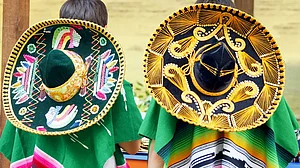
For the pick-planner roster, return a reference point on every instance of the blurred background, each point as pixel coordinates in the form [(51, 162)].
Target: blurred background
[(133, 21)]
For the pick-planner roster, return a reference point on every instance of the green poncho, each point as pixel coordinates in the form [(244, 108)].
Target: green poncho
[(96, 146)]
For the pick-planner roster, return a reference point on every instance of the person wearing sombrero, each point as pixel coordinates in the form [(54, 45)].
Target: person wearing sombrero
[(65, 96), (217, 79)]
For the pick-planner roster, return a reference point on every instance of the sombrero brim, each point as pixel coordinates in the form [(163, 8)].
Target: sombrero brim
[(21, 93), (252, 97)]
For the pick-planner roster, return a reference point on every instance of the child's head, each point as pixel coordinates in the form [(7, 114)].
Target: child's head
[(90, 10), (222, 2)]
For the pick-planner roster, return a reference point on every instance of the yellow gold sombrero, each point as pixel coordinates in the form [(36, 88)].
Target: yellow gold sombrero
[(215, 66)]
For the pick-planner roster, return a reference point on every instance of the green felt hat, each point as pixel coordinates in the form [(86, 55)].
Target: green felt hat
[(215, 66), (62, 76)]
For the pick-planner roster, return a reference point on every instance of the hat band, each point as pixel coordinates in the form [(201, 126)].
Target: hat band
[(69, 89)]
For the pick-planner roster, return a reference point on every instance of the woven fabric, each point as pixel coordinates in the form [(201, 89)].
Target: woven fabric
[(180, 144)]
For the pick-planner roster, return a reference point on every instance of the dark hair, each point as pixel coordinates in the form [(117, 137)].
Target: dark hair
[(222, 2), (90, 10)]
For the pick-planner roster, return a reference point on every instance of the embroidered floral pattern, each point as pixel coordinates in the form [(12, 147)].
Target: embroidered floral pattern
[(22, 88), (105, 79), (31, 48)]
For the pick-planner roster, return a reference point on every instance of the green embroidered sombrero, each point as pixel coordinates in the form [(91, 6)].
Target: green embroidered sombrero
[(215, 66), (62, 76)]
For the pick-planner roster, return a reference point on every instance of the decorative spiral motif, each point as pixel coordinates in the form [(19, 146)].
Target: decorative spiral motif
[(175, 52)]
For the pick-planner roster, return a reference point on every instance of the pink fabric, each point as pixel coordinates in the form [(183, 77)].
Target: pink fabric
[(41, 159), (23, 163)]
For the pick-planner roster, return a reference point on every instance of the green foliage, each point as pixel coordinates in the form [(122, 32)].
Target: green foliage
[(142, 96)]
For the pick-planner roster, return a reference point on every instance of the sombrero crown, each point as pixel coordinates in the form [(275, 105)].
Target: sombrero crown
[(63, 73), (215, 66), (62, 76)]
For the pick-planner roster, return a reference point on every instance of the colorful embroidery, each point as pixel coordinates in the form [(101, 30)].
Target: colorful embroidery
[(37, 81), (26, 103), (23, 87), (22, 111), (90, 76), (41, 128), (83, 91), (77, 123), (31, 48), (64, 34), (57, 118), (94, 109), (103, 41), (105, 80)]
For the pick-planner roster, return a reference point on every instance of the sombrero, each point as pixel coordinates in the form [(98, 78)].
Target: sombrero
[(62, 76), (215, 66)]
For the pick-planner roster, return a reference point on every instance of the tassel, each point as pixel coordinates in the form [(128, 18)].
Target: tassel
[(74, 138), (102, 124), (124, 97), (42, 95)]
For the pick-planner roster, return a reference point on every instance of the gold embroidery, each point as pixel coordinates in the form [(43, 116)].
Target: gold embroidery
[(215, 70), (199, 33), (94, 109), (155, 68), (184, 23), (259, 42), (266, 97), (238, 44), (168, 99), (209, 17), (240, 26), (182, 48), (243, 91), (192, 97), (221, 122), (185, 112), (246, 117), (271, 70), (176, 76), (162, 40), (249, 65), (242, 35)]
